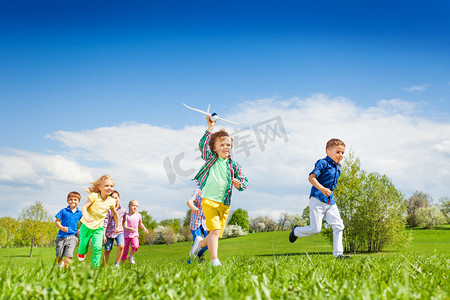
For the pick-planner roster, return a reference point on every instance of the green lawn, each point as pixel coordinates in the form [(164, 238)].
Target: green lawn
[(257, 266)]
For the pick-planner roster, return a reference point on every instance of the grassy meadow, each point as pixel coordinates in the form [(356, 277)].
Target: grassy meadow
[(257, 266)]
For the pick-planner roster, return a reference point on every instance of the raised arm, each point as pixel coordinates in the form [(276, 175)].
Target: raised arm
[(203, 144)]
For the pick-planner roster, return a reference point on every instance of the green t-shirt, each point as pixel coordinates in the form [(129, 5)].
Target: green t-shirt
[(218, 181)]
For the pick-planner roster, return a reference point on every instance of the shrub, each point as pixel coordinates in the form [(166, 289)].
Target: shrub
[(170, 236), (233, 231), (262, 224), (430, 216), (239, 217)]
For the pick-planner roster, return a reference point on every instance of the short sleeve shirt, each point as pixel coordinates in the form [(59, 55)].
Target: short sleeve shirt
[(98, 209), (70, 220), (218, 180), (327, 173), (133, 221)]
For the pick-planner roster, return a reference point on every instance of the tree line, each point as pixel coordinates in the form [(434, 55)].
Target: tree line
[(374, 211)]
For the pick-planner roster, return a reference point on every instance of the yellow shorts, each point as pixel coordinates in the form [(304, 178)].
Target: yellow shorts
[(216, 214)]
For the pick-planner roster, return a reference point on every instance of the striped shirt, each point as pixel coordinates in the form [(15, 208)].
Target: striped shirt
[(197, 218), (210, 158)]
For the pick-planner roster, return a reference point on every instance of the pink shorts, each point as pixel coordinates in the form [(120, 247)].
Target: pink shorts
[(134, 242)]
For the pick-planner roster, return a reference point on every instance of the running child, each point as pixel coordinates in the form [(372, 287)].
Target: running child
[(324, 179), (216, 178), (94, 213), (110, 236), (197, 223), (67, 221), (132, 222)]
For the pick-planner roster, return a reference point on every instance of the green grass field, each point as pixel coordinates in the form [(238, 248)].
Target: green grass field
[(257, 266)]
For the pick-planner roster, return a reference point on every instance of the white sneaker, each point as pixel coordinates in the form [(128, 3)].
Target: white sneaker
[(131, 259), (81, 257), (61, 265), (195, 248), (216, 263), (116, 265)]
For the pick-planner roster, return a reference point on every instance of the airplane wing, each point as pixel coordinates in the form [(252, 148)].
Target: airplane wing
[(228, 121), (200, 111)]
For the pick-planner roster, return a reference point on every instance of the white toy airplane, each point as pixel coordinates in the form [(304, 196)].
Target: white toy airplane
[(212, 116)]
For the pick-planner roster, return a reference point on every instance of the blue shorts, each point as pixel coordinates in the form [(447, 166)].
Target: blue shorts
[(119, 240), (199, 232)]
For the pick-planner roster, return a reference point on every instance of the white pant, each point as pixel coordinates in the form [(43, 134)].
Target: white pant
[(317, 211)]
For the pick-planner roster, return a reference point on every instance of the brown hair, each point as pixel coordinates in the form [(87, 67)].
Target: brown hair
[(74, 194), (94, 188), (222, 133), (334, 142), (115, 192)]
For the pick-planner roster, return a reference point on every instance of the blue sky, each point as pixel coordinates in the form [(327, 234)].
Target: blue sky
[(77, 66)]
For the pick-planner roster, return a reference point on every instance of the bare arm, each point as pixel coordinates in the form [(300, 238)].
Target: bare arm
[(125, 227), (84, 211), (59, 225), (191, 205), (143, 227), (211, 124), (312, 178), (190, 202)]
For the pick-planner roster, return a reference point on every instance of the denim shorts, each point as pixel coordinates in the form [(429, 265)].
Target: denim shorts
[(119, 241)]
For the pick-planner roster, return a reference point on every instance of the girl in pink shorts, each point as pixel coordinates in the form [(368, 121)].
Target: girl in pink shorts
[(132, 221)]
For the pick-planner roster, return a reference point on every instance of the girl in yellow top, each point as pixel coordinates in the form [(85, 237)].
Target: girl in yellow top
[(94, 213)]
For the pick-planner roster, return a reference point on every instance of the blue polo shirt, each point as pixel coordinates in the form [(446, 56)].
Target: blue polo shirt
[(70, 220), (327, 173)]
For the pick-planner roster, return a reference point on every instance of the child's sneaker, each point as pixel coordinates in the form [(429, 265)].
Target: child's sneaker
[(81, 257), (61, 266), (343, 256), (292, 236), (116, 265), (195, 248), (131, 259), (216, 263)]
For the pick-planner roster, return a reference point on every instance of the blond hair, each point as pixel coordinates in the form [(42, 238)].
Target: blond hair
[(95, 186), (131, 201)]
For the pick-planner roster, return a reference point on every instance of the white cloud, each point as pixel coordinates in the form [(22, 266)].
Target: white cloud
[(389, 139), (416, 88), (443, 147)]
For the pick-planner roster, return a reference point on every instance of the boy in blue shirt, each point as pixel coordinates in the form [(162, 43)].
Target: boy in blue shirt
[(324, 179), (67, 221)]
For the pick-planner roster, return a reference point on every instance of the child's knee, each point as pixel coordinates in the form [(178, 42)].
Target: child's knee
[(316, 230), (215, 233), (338, 227)]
